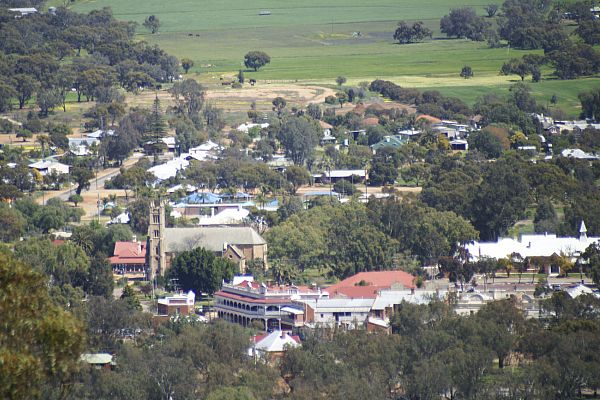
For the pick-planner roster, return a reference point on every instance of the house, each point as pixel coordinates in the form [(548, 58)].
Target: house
[(129, 260), (205, 151), (186, 188), (580, 289), (99, 134), (407, 134), (379, 280), (247, 126), (338, 312), (99, 360), (429, 118), (394, 142), (181, 303), (273, 307), (122, 218), (579, 154), (272, 347), (358, 175), (169, 169), (459, 144), (170, 142), (229, 216), (23, 11), (541, 245), (45, 167)]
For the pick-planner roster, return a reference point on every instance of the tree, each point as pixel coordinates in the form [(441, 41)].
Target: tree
[(589, 31), (487, 143), (502, 324), (129, 296), (256, 59), (100, 278), (13, 224), (340, 80), (297, 176), (279, 104), (407, 34), (491, 10), (189, 98), (75, 198), (384, 167), (81, 176), (314, 111), (466, 72), (517, 67), (42, 341), (152, 23), (299, 136), (342, 97), (25, 86), (464, 23), (590, 104), (186, 64), (7, 92), (200, 270)]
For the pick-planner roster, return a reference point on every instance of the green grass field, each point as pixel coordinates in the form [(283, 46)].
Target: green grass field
[(314, 42)]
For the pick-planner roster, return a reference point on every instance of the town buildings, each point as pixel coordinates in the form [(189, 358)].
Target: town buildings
[(129, 260), (273, 307)]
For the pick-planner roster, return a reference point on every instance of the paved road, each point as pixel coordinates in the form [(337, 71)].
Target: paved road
[(95, 183)]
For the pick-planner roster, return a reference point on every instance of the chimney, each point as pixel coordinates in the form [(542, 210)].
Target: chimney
[(225, 245), (134, 238)]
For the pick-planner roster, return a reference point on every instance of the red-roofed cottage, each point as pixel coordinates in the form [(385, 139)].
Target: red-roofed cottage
[(129, 260), (371, 282)]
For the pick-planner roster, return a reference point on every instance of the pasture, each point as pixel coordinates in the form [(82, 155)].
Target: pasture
[(312, 42)]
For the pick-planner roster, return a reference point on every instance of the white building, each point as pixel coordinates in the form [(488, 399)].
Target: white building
[(543, 245), (350, 313), (45, 167)]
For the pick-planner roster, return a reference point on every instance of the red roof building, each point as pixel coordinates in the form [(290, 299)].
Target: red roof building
[(129, 260), (367, 284)]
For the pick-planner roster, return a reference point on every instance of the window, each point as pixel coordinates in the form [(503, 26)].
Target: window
[(178, 310), (156, 219), (156, 233)]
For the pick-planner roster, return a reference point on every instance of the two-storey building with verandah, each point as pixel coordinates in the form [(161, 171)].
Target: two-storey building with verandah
[(272, 307)]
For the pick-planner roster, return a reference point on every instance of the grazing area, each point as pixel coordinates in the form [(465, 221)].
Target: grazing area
[(313, 42)]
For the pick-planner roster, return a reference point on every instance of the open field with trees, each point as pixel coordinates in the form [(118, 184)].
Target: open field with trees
[(317, 41)]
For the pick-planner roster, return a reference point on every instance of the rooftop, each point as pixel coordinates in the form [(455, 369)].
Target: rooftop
[(210, 238), (381, 279)]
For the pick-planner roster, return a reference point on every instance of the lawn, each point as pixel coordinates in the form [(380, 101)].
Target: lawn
[(316, 41)]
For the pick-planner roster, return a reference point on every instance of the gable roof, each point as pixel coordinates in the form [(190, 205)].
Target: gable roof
[(210, 238), (276, 341), (129, 253), (381, 279)]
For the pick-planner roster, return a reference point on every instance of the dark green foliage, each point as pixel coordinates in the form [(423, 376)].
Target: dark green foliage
[(466, 72), (201, 271), (298, 136), (464, 23), (256, 59), (486, 143), (129, 296), (545, 219), (590, 103), (406, 33), (345, 187), (384, 167)]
